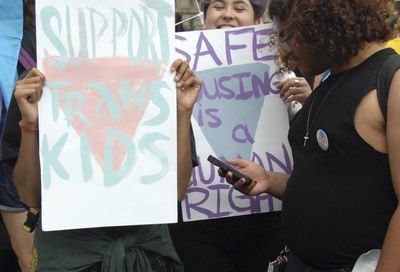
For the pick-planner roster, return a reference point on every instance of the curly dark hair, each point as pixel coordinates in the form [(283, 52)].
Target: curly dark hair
[(339, 28)]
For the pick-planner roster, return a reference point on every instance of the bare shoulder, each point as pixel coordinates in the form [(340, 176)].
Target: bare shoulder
[(395, 87), (393, 131), (393, 114)]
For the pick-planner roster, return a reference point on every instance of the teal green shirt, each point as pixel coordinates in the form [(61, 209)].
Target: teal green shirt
[(119, 249)]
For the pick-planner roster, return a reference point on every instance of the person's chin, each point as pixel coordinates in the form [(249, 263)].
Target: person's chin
[(305, 70)]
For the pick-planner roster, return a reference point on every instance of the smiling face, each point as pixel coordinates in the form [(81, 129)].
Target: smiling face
[(230, 13)]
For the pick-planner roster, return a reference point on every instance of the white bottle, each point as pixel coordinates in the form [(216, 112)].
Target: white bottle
[(367, 262)]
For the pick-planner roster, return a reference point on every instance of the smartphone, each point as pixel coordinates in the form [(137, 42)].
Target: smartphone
[(227, 168)]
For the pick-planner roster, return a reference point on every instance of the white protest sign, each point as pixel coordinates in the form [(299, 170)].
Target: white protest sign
[(239, 113), (108, 113)]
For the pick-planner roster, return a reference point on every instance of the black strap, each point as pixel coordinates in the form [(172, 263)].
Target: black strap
[(385, 76)]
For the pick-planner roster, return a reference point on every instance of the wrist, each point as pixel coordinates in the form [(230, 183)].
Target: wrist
[(184, 110), (277, 184), (269, 181), (28, 127), (184, 116)]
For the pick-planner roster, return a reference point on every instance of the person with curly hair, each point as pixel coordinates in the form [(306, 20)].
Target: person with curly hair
[(342, 198)]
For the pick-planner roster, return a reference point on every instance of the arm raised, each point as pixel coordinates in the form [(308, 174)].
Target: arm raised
[(187, 87), (26, 174)]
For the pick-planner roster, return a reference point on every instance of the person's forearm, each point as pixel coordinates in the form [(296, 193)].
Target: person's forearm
[(278, 182), (389, 259), (26, 174), (184, 154)]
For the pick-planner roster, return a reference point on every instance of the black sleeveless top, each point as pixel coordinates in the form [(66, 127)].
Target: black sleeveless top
[(338, 202)]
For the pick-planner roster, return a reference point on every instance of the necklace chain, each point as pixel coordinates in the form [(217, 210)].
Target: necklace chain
[(309, 124)]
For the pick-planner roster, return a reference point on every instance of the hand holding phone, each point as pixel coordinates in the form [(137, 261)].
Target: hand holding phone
[(227, 168)]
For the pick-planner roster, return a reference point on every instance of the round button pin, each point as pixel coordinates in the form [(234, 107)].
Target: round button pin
[(322, 140)]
